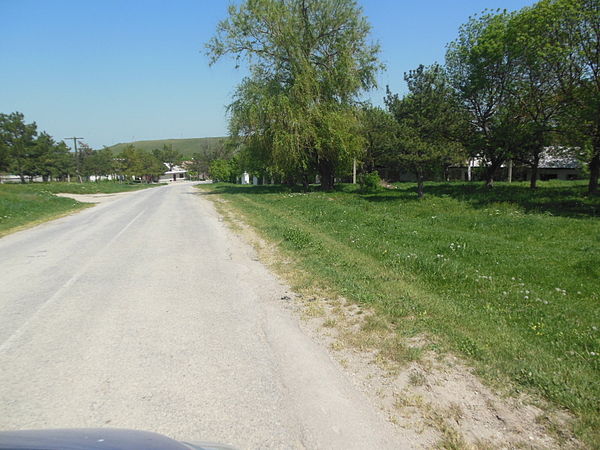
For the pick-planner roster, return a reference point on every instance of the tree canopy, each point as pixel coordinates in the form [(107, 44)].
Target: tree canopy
[(309, 60), (429, 122)]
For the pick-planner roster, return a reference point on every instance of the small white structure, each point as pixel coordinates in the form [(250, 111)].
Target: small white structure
[(245, 179), (173, 173)]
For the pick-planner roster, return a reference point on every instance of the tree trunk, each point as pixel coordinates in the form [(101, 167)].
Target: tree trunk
[(490, 173), (22, 178), (305, 183), (534, 170), (420, 183), (327, 175), (289, 180), (489, 179), (594, 169)]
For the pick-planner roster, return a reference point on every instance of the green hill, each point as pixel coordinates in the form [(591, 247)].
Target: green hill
[(187, 147)]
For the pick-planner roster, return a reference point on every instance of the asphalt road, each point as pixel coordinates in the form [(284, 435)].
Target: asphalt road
[(145, 312)]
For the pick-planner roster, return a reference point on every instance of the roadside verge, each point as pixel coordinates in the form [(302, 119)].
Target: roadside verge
[(419, 384)]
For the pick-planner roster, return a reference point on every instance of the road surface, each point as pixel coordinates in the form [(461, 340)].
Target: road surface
[(145, 312)]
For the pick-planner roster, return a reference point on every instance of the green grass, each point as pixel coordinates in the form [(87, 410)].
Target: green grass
[(508, 278), (187, 147), (28, 204)]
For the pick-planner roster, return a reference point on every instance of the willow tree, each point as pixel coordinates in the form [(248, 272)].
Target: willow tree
[(309, 60)]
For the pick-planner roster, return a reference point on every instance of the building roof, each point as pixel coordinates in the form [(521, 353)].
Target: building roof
[(551, 158), (557, 159), (175, 169)]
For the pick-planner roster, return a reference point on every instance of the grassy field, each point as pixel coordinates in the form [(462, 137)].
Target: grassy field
[(28, 204), (187, 147), (508, 278)]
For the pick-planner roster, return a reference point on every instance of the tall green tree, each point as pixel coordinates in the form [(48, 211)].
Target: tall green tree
[(573, 34), (197, 165), (309, 60), (379, 129), (43, 161), (17, 138), (129, 162), (429, 123), (135, 163), (482, 70), (99, 164), (221, 170), (536, 88), (61, 162), (168, 155), (149, 167)]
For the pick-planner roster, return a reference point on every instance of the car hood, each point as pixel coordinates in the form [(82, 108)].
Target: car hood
[(96, 439)]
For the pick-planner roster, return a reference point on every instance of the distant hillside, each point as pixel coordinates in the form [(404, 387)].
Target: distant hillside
[(187, 147)]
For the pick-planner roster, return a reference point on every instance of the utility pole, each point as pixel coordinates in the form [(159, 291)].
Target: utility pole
[(77, 159)]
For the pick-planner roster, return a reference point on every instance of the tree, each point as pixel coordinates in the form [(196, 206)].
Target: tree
[(536, 87), (135, 163), (221, 170), (149, 168), (43, 160), (100, 163), (168, 156), (481, 70), (309, 59), (573, 40), (429, 122), (62, 163), (196, 166), (18, 141), (129, 162), (379, 129), (82, 163)]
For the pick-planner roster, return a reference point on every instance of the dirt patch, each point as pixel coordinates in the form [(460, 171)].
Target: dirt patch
[(435, 399), (438, 397), (95, 198)]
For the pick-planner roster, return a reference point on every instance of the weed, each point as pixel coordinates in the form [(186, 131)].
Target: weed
[(417, 378), (395, 350), (329, 323)]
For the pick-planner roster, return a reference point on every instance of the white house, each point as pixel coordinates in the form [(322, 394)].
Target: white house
[(173, 173)]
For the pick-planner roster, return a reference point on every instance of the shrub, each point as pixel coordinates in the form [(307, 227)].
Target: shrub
[(370, 182), (220, 170)]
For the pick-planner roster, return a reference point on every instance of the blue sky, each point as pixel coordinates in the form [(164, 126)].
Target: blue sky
[(120, 70)]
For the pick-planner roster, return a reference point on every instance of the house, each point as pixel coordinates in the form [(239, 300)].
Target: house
[(173, 173), (557, 167), (556, 163)]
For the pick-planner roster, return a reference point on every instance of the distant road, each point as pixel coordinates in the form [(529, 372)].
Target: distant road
[(145, 312)]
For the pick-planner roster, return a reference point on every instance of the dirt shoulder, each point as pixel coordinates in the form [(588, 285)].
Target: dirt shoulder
[(96, 198)]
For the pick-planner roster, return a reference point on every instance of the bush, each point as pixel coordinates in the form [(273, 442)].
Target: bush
[(370, 182), (220, 170)]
